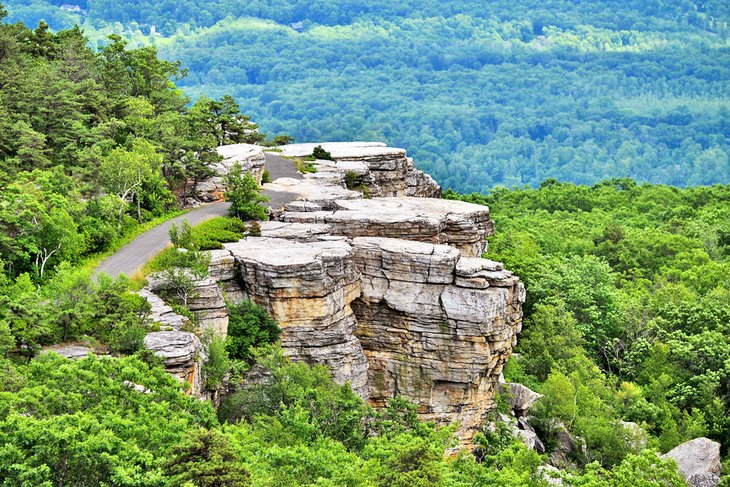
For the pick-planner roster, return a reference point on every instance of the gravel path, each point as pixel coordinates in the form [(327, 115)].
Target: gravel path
[(139, 251)]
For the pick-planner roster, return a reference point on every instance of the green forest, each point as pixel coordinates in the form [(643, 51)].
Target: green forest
[(481, 94), (628, 280)]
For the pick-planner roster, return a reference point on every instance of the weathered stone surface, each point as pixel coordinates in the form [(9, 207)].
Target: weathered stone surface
[(441, 345), (250, 157), (161, 313), (180, 352), (521, 398), (386, 171), (307, 288), (699, 461), (531, 440), (567, 446), (303, 232), (312, 192), (464, 226), (70, 351), (206, 301)]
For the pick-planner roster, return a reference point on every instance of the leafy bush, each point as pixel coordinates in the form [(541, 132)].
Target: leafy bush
[(212, 234), (351, 178), (249, 326), (217, 363), (128, 340), (243, 194), (320, 153)]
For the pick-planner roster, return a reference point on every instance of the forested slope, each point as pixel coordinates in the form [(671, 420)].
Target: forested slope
[(628, 306), (504, 93)]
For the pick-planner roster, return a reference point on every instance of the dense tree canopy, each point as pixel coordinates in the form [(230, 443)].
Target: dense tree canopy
[(628, 284), (628, 303), (481, 94)]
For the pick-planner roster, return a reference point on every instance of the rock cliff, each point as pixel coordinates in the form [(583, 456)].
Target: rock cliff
[(385, 171), (390, 293)]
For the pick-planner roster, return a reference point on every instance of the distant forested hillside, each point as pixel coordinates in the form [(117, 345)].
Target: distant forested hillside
[(482, 94)]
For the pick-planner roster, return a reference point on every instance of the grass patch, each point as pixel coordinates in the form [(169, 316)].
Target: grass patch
[(304, 166), (208, 235)]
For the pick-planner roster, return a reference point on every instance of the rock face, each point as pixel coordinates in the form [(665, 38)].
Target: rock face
[(308, 289), (387, 315), (699, 462), (179, 351), (440, 344), (456, 223), (250, 157), (385, 171), (206, 302), (389, 293)]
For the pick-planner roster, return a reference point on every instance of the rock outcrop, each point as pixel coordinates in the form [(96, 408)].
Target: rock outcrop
[(180, 352), (426, 337), (206, 302), (456, 223), (385, 171), (390, 293), (389, 316), (699, 462), (308, 289), (250, 157)]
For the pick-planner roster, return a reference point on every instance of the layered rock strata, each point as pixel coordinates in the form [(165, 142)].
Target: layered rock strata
[(428, 337), (250, 157), (180, 350), (308, 289), (389, 316), (384, 171), (206, 302), (464, 226)]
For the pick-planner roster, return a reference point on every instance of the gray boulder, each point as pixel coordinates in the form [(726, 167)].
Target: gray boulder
[(699, 461), (521, 398)]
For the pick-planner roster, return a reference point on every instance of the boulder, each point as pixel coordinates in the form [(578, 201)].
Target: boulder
[(250, 157), (521, 398), (699, 461), (567, 447), (180, 352)]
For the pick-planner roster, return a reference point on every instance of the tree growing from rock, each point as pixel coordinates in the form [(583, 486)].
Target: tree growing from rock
[(243, 194)]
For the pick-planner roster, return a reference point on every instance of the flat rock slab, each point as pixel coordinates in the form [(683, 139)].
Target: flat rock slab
[(310, 190), (342, 150), (456, 223), (73, 352)]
